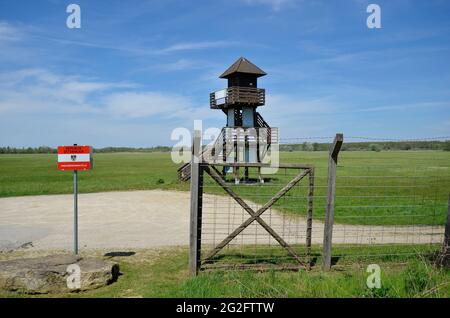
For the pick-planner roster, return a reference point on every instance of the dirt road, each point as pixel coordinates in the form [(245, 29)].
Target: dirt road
[(143, 219)]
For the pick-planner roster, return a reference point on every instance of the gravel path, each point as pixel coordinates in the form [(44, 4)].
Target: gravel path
[(156, 218)]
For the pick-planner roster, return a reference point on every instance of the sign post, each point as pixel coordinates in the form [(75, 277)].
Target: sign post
[(75, 158), (75, 212)]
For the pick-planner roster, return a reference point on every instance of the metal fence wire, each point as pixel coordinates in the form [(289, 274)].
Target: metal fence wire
[(390, 202), (277, 237), (387, 203)]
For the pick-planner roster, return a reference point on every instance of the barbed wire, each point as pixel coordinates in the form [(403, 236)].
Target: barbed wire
[(380, 139)]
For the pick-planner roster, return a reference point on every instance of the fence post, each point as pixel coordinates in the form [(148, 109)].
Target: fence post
[(196, 206), (444, 258), (329, 214), (309, 218)]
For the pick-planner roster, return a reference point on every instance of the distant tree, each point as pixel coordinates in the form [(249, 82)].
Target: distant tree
[(375, 147), (304, 145), (307, 146), (315, 146), (407, 146), (447, 145)]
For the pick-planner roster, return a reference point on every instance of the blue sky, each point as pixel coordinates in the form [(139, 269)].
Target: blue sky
[(138, 69)]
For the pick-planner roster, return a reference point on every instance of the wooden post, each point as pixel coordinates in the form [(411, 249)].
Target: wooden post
[(329, 214), (196, 206), (444, 258), (224, 152), (309, 218), (236, 159), (447, 228), (260, 176)]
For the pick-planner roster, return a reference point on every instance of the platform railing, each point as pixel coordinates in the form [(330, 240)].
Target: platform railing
[(237, 95)]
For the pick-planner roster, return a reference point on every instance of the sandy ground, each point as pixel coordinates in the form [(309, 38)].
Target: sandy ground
[(147, 219)]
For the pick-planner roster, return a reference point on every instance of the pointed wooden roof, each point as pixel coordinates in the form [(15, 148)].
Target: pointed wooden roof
[(242, 65)]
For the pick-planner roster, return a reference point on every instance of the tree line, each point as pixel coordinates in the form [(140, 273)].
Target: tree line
[(371, 146), (46, 149), (306, 146)]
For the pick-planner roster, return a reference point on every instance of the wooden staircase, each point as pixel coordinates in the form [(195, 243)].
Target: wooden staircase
[(208, 154), (215, 153)]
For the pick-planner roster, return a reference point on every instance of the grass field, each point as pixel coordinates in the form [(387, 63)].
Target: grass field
[(163, 273), (398, 187), (373, 188), (38, 174)]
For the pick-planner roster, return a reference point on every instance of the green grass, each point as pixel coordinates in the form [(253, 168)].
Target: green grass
[(386, 188), (382, 188), (373, 188), (38, 174), (265, 256), (164, 274)]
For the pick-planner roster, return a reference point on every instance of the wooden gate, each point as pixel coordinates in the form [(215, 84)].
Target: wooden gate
[(223, 213)]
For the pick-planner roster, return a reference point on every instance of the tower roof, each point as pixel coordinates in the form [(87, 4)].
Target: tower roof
[(242, 65)]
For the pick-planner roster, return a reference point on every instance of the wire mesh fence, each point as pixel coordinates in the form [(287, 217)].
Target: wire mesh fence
[(391, 202), (388, 202), (391, 194), (276, 237)]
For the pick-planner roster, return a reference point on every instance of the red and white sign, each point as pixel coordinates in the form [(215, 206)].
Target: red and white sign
[(74, 157)]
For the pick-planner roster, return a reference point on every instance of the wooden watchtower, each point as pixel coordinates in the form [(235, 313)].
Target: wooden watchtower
[(247, 136)]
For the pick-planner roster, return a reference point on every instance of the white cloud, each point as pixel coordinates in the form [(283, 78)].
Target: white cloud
[(133, 49), (288, 106), (39, 91), (134, 105), (179, 65), (142, 104), (409, 106), (38, 106), (87, 110), (189, 46), (9, 32), (276, 5), (174, 66)]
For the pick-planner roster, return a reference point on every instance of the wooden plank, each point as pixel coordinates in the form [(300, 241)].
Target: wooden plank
[(331, 194), (309, 217), (196, 207), (264, 165), (253, 215), (283, 191), (250, 267)]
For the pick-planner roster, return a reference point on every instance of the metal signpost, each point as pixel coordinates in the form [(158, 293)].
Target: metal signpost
[(75, 158), (75, 211)]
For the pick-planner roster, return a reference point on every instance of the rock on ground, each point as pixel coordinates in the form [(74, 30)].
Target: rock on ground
[(50, 274)]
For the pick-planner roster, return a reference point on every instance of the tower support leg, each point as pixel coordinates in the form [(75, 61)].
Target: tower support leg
[(261, 179)]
